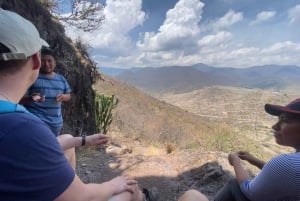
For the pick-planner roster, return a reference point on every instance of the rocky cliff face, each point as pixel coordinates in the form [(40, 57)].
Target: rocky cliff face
[(73, 63)]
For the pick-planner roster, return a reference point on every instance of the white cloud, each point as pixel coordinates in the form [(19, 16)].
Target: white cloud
[(294, 15), (263, 16), (121, 16), (213, 40), (282, 48), (229, 19), (178, 30), (280, 53), (184, 39)]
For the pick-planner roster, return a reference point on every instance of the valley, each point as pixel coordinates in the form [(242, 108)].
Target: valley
[(146, 127), (241, 108)]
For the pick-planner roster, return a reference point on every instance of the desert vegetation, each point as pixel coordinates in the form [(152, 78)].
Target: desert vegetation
[(139, 116), (103, 111)]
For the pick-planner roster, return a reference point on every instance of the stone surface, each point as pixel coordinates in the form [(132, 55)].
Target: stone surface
[(171, 174)]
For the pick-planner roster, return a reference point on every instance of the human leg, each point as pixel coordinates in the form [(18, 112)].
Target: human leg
[(137, 195), (231, 192), (64, 141), (193, 195), (126, 196), (71, 157)]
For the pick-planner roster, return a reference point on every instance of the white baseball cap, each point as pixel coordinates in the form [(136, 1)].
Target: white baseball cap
[(19, 35)]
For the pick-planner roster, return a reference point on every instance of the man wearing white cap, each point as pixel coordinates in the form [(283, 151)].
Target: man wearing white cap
[(32, 163)]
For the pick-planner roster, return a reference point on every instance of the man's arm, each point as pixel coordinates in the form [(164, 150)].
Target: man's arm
[(63, 97), (251, 159), (277, 177), (66, 95), (78, 191), (67, 141), (35, 97), (240, 172)]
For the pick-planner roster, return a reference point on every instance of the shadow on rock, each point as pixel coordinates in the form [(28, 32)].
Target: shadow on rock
[(97, 166)]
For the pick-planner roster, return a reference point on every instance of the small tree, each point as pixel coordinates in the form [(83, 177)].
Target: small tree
[(86, 15), (103, 111)]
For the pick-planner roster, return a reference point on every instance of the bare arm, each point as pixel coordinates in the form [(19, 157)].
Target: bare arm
[(67, 141), (240, 173), (251, 159), (63, 97), (78, 191), (35, 97)]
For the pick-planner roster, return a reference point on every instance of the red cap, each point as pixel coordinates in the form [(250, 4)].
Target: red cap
[(292, 108)]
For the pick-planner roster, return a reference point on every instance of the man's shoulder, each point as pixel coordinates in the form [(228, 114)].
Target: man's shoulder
[(17, 125), (288, 156), (285, 161), (60, 76), (17, 118)]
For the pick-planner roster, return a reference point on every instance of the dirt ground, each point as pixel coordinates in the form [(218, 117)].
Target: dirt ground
[(169, 174)]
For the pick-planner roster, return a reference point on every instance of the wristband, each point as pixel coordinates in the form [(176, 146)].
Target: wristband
[(83, 139)]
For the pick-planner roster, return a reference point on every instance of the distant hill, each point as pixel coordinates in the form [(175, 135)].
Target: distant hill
[(263, 77), (171, 79), (111, 71), (183, 79)]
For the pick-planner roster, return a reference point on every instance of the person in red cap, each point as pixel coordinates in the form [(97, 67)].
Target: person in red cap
[(279, 179)]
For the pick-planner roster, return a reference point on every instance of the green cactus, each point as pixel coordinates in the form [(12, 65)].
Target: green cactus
[(103, 111)]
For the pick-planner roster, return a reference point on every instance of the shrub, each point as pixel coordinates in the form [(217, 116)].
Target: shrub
[(103, 111)]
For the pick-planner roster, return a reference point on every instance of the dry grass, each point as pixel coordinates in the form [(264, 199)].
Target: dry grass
[(140, 116)]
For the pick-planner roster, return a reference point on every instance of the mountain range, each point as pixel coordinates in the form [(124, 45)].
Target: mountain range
[(177, 79)]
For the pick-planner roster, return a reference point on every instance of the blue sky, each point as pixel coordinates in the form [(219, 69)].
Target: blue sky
[(221, 33)]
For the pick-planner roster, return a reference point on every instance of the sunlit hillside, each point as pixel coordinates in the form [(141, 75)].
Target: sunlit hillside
[(143, 117), (239, 108)]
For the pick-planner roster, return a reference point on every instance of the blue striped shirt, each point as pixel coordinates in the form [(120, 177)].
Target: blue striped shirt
[(279, 180), (50, 110)]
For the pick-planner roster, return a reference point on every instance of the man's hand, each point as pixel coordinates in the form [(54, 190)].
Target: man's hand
[(121, 184), (63, 97), (96, 139), (60, 98), (240, 172), (244, 155), (36, 97), (234, 159)]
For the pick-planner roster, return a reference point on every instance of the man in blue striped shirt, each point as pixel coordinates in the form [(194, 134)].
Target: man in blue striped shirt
[(44, 98)]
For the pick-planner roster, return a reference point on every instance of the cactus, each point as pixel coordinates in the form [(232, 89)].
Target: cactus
[(103, 111)]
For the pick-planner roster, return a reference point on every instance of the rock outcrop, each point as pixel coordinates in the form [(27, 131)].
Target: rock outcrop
[(73, 63)]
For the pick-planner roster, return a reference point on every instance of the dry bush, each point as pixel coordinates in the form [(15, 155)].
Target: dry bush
[(226, 139), (170, 147)]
